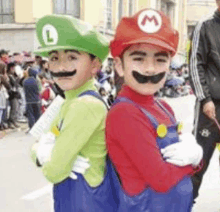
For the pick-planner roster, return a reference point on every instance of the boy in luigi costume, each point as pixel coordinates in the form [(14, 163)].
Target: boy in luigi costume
[(153, 162), (75, 51)]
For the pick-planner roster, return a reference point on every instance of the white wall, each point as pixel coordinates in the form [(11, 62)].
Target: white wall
[(17, 39)]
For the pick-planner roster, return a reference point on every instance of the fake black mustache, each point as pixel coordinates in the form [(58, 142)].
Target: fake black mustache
[(145, 79), (63, 73)]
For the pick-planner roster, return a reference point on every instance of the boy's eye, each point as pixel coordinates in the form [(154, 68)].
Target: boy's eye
[(161, 60), (138, 59), (72, 57), (53, 58)]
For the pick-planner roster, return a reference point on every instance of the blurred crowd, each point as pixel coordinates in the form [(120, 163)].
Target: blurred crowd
[(26, 88), (177, 83), (105, 84)]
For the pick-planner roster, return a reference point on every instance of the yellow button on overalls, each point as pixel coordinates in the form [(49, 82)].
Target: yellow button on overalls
[(55, 131), (162, 130), (180, 127)]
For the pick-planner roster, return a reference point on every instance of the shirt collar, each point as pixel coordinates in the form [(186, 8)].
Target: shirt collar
[(89, 85), (128, 92)]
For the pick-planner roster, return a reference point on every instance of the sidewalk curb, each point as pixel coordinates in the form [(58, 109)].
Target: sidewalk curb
[(22, 126)]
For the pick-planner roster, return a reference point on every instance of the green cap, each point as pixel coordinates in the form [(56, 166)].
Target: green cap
[(59, 32)]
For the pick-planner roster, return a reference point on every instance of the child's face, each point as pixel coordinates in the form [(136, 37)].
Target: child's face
[(45, 65), (143, 60), (77, 68), (12, 71), (43, 80), (5, 57)]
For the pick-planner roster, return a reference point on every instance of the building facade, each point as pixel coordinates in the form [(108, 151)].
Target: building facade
[(196, 9), (18, 17)]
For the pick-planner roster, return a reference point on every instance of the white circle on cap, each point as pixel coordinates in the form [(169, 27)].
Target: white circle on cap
[(50, 35), (150, 21)]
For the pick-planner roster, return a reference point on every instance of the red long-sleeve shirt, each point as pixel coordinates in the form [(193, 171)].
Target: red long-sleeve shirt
[(132, 146)]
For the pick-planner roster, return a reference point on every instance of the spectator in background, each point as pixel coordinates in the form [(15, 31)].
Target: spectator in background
[(5, 88), (18, 58), (113, 87), (28, 61), (32, 95), (47, 94), (38, 64), (179, 72), (14, 95), (109, 72), (2, 100), (4, 58), (45, 71), (119, 81), (205, 81), (185, 73)]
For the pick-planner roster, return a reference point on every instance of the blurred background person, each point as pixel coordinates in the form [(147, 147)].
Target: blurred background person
[(18, 60), (47, 94), (4, 92), (38, 64), (4, 57), (45, 71), (14, 95), (32, 95), (2, 100)]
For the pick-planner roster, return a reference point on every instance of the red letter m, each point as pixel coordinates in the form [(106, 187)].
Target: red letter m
[(149, 19)]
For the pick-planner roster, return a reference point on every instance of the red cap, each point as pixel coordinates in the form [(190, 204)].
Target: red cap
[(147, 26)]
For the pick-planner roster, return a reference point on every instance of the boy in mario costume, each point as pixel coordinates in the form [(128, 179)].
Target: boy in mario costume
[(153, 162), (75, 50)]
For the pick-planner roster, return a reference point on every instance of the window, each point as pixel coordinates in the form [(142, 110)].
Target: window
[(6, 11), (168, 9), (190, 31), (120, 9), (109, 14), (69, 7), (131, 7), (202, 2), (164, 7)]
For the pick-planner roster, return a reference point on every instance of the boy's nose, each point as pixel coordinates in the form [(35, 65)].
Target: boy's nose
[(62, 66), (149, 67)]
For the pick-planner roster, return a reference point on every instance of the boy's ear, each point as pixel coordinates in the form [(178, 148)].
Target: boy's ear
[(119, 66), (96, 66)]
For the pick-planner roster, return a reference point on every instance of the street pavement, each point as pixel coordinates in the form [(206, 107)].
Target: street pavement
[(23, 188)]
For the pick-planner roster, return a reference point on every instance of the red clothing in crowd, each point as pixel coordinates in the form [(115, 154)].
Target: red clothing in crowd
[(131, 141), (46, 96)]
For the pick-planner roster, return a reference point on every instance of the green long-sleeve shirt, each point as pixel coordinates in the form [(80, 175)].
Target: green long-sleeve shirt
[(82, 133)]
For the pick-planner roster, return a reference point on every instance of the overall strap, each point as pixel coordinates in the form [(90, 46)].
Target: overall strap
[(146, 113), (173, 120), (95, 94)]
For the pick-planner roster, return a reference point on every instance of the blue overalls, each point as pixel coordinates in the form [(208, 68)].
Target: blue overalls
[(77, 196), (177, 199)]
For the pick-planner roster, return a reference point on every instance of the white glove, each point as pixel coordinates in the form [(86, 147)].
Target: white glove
[(46, 144), (186, 152), (80, 166)]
